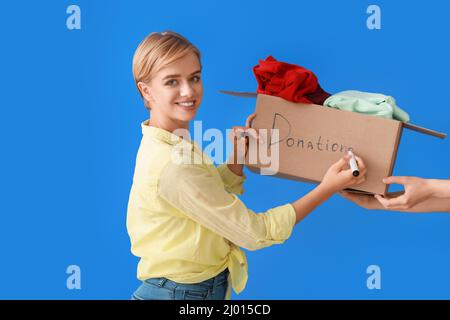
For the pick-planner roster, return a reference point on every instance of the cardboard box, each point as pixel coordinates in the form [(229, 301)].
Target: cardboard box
[(313, 137)]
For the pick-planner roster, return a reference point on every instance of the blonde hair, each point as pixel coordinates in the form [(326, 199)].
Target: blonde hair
[(157, 50)]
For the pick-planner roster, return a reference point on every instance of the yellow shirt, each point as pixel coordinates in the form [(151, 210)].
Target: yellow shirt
[(185, 220)]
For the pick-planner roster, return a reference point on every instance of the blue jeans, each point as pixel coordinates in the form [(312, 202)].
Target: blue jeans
[(165, 289)]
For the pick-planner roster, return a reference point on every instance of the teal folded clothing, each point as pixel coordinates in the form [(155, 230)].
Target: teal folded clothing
[(373, 104)]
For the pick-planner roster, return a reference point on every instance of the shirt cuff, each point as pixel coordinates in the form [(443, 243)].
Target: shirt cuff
[(281, 222), (233, 182)]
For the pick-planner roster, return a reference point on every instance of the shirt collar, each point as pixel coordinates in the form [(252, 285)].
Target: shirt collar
[(167, 136), (160, 134)]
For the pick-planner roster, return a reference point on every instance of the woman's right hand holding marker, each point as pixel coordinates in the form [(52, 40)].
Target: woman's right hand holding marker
[(339, 176)]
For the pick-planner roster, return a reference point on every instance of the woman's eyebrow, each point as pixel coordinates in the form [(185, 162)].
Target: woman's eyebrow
[(177, 75)]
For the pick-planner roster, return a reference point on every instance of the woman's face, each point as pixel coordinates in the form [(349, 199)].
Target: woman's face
[(175, 92)]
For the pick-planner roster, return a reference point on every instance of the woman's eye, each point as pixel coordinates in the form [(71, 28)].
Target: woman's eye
[(196, 79), (171, 83)]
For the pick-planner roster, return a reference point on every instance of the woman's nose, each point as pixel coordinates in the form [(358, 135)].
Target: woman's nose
[(186, 90)]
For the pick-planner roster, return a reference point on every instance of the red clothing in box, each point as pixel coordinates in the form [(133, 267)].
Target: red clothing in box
[(288, 81)]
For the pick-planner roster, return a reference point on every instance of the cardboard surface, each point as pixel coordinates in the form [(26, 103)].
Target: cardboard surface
[(408, 125), (311, 138)]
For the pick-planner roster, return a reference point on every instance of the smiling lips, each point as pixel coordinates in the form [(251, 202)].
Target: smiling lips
[(186, 104)]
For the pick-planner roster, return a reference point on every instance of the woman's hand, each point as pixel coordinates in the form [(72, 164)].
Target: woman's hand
[(339, 176), (240, 136)]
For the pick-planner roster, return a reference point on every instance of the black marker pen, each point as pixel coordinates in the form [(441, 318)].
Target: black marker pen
[(353, 164)]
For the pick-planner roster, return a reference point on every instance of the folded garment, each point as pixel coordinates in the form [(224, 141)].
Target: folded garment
[(319, 96), (288, 81), (374, 104)]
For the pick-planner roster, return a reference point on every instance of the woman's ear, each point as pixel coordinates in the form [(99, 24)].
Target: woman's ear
[(145, 91)]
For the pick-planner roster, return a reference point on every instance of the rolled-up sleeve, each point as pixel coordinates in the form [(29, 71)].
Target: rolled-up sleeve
[(195, 191), (233, 182)]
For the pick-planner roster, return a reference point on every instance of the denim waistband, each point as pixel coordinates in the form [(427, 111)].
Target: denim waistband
[(210, 283)]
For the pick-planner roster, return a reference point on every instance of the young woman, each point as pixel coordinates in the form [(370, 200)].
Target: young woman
[(421, 195), (185, 221)]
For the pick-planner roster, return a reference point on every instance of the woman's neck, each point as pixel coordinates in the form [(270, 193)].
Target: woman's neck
[(168, 124)]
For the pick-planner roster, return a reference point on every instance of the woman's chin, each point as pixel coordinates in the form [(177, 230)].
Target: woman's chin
[(187, 115)]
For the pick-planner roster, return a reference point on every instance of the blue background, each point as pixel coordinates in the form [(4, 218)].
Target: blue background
[(71, 127)]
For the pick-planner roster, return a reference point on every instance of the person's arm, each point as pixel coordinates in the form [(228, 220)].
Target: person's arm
[(431, 205), (439, 188), (201, 197), (417, 190), (309, 202), (197, 193), (233, 180), (371, 203), (335, 179)]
